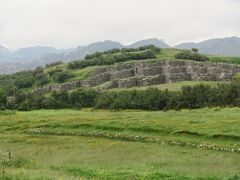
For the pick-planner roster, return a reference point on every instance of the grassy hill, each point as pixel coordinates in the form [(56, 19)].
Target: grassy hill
[(57, 73), (20, 86)]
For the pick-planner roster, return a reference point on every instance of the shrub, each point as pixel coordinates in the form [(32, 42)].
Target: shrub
[(54, 71), (53, 64), (190, 97), (25, 82), (62, 76), (82, 98), (191, 56), (151, 99), (108, 57), (194, 50), (41, 79), (3, 98)]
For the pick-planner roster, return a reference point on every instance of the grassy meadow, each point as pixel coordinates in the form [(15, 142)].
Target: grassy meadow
[(98, 144)]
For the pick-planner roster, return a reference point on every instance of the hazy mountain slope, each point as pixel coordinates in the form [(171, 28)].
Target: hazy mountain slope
[(3, 49), (81, 52), (220, 46), (32, 52), (28, 58), (151, 41), (4, 54)]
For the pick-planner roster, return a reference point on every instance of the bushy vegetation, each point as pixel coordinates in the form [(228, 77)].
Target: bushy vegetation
[(22, 80), (191, 55), (190, 97), (114, 56), (62, 76), (53, 64), (123, 50)]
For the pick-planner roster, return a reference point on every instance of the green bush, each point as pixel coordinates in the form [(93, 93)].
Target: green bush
[(25, 82), (53, 64), (191, 56), (41, 79), (61, 76), (190, 97), (83, 98), (108, 58)]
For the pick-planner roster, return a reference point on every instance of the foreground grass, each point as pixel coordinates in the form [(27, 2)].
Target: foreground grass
[(70, 156)]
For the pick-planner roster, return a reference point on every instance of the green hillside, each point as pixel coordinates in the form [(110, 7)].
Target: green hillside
[(57, 73), (18, 91)]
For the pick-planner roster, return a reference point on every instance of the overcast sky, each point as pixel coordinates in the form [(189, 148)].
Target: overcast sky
[(70, 23)]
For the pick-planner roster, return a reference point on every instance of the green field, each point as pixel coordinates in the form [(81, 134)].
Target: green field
[(88, 144)]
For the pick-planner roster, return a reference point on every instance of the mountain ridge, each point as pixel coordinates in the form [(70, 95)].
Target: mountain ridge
[(31, 57), (228, 46)]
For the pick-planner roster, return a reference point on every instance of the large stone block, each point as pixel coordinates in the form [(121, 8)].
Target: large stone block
[(149, 71), (122, 74), (175, 77), (101, 78), (154, 80), (126, 83)]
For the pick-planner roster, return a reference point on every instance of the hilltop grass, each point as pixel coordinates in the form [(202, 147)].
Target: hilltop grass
[(81, 74), (168, 53), (53, 155), (224, 59)]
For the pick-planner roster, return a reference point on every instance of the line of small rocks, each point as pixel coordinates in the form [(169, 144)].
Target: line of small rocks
[(136, 138)]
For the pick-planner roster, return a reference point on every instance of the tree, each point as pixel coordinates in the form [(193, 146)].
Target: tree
[(61, 77), (3, 98), (191, 56), (24, 82), (194, 50), (41, 79)]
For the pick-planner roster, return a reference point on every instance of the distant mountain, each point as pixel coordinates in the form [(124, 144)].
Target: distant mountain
[(3, 49), (220, 46), (4, 54), (81, 52), (33, 52), (29, 58), (24, 55), (151, 41)]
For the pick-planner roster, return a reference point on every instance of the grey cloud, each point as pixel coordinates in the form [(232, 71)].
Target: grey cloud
[(69, 23)]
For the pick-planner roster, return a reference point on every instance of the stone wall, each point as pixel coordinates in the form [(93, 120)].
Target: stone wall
[(143, 74)]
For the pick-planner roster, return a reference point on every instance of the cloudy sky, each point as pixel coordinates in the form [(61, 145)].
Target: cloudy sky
[(70, 23)]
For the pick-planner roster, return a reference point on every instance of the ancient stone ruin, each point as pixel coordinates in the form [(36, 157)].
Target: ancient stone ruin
[(147, 73)]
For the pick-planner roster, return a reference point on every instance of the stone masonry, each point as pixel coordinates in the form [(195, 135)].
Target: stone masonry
[(145, 73)]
